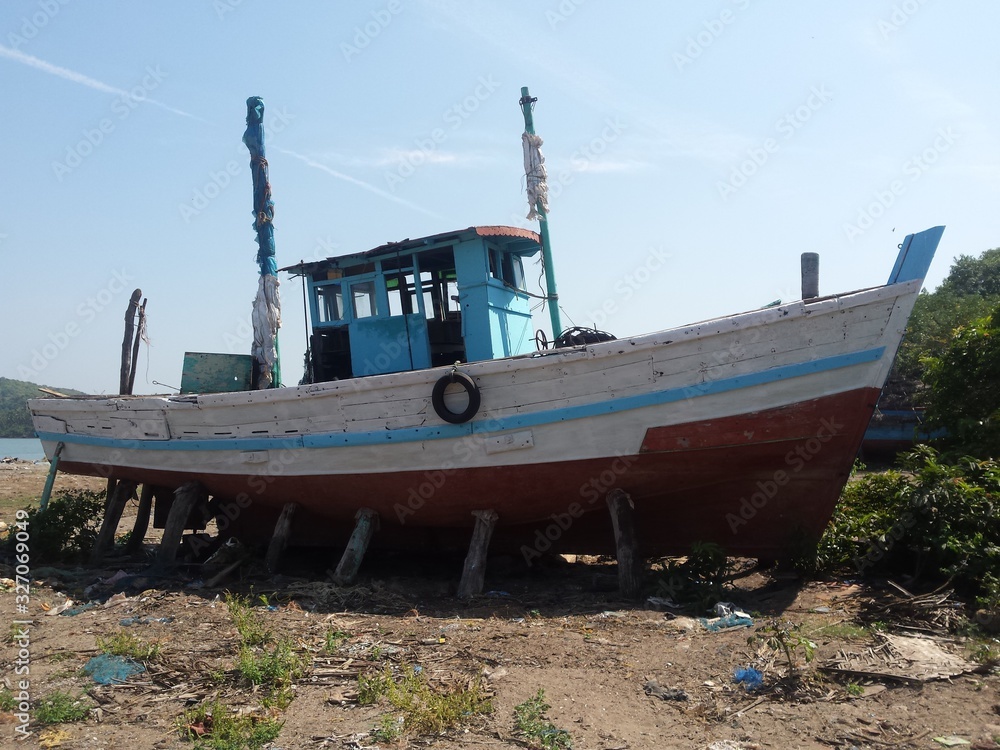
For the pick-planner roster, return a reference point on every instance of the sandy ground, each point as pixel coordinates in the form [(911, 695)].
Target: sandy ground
[(553, 629)]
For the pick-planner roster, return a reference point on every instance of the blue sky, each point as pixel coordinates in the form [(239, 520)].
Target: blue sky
[(694, 151)]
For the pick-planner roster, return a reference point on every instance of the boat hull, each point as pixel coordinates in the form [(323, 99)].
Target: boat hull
[(701, 425)]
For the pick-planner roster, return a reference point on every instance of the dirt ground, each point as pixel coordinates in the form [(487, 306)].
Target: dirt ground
[(557, 628)]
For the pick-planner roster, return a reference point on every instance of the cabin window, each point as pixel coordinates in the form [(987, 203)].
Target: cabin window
[(402, 294), (495, 263), (331, 303), (513, 270), (363, 299)]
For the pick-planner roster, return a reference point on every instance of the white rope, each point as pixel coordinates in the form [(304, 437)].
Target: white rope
[(266, 322), (534, 172)]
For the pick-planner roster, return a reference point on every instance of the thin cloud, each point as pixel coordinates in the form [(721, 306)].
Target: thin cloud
[(71, 75), (360, 183)]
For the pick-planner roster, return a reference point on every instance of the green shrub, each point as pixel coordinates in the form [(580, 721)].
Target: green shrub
[(66, 529), (59, 708), (937, 520), (531, 725)]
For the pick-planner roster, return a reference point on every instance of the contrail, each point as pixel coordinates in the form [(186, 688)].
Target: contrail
[(360, 183), (80, 78)]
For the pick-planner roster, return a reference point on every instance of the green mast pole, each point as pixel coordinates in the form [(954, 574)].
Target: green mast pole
[(543, 228)]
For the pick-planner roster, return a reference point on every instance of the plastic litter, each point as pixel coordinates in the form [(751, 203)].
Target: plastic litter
[(73, 611), (497, 594), (115, 578), (106, 669), (951, 741), (724, 609), (144, 621), (733, 620), (750, 678), (60, 608)]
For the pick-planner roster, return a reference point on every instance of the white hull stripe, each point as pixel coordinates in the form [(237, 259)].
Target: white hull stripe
[(513, 422)]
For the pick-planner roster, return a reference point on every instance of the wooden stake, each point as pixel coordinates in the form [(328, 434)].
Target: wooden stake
[(365, 524), (141, 519), (474, 571), (185, 498), (139, 334), (133, 304), (629, 562), (279, 540), (112, 515)]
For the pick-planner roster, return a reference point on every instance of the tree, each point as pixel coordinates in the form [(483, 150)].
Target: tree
[(965, 387)]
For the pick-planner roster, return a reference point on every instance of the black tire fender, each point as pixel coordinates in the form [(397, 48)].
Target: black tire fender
[(437, 397)]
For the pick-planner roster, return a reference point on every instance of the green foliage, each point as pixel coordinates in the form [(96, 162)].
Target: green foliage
[(212, 726), (274, 669), (124, 643), (250, 625), (66, 530), (930, 327), (531, 725), (425, 709), (60, 708), (7, 700), (786, 638), (937, 519), (334, 640), (965, 387), (970, 291), (15, 419), (700, 579)]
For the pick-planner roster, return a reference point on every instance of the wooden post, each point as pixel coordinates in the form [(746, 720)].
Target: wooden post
[(629, 562), (185, 498), (133, 304), (141, 519), (365, 524), (139, 335), (112, 515), (279, 540), (474, 571)]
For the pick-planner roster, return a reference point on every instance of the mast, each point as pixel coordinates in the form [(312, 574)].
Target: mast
[(267, 305), (534, 166)]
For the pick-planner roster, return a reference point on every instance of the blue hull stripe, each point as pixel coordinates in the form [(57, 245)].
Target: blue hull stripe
[(514, 422)]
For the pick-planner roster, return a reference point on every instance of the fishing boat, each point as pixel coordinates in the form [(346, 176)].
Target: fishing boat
[(430, 397)]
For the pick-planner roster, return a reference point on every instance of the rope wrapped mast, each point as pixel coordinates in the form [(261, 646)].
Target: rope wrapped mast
[(267, 304)]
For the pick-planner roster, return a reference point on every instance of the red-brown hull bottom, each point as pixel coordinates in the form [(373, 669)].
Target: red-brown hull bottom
[(757, 484)]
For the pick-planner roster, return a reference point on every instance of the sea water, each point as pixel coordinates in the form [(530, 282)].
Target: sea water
[(29, 449)]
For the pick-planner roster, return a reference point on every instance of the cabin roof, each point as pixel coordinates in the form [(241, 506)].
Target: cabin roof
[(526, 242)]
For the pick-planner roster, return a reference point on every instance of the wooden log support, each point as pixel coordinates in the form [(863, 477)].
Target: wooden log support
[(279, 540), (141, 525), (186, 497), (629, 561), (112, 515), (474, 570), (365, 524)]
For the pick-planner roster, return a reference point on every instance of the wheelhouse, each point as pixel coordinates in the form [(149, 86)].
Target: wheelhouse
[(453, 297)]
